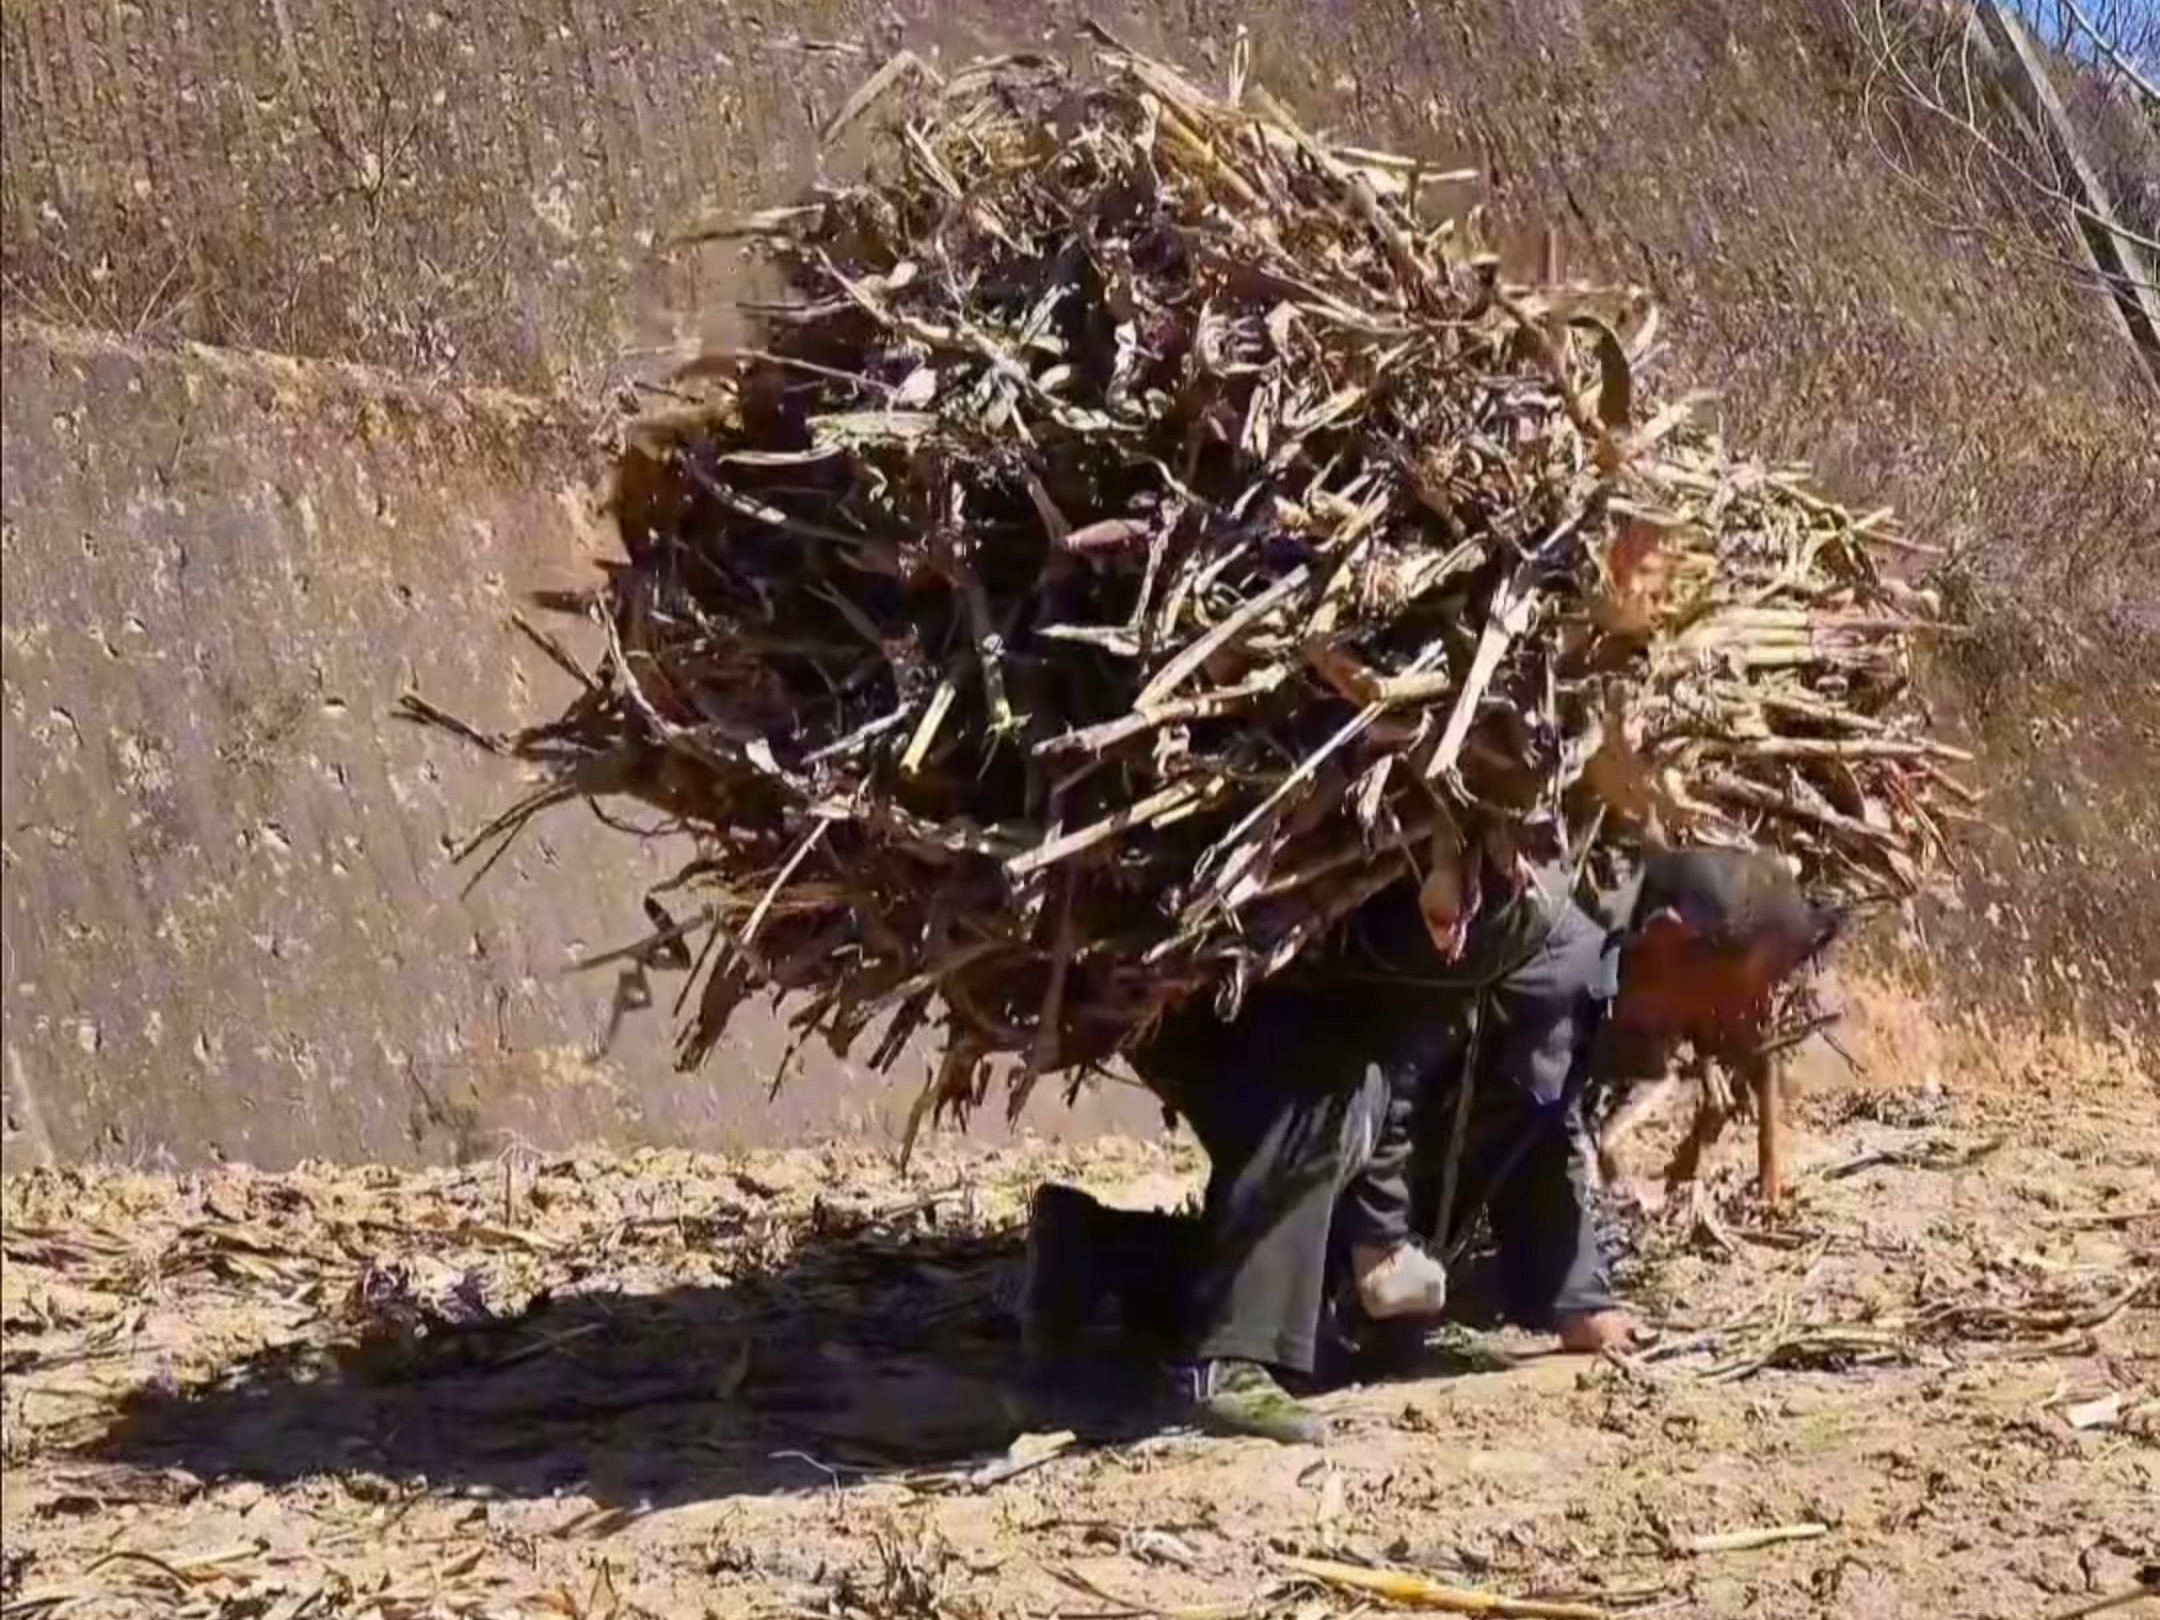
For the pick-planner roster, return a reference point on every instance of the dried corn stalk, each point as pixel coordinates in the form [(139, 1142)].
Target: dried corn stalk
[(1140, 529)]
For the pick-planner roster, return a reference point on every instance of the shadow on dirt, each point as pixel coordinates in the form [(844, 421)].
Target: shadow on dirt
[(864, 1352), (859, 1353)]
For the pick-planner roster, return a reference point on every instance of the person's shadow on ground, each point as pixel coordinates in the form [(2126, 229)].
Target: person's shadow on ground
[(861, 1352), (866, 1351)]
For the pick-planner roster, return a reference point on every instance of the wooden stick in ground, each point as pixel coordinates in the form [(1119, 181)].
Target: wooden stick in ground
[(1459, 1127), (1416, 1591), (1768, 1075)]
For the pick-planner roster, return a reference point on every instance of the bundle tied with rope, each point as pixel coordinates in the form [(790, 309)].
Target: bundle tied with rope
[(1138, 532)]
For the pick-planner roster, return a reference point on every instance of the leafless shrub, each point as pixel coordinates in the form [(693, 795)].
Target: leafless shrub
[(1941, 121)]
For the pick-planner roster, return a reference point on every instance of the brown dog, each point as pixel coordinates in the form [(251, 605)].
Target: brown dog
[(1716, 1103)]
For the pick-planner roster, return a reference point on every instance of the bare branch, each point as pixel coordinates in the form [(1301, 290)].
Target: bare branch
[(2107, 47), (1949, 82)]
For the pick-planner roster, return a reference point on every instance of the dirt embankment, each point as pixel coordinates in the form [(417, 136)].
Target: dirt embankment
[(233, 925), (474, 197), (481, 194)]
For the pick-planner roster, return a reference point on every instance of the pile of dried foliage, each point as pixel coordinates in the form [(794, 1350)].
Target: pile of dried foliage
[(1141, 530)]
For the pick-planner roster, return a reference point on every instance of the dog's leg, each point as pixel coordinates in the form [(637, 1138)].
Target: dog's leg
[(1713, 1110), (1767, 1077)]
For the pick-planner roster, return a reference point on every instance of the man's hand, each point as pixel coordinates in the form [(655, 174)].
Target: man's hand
[(1627, 1193), (1399, 1281), (1449, 899), (1594, 1332)]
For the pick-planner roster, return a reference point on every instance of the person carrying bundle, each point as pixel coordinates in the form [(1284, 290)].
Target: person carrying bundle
[(1043, 610), (1331, 1145)]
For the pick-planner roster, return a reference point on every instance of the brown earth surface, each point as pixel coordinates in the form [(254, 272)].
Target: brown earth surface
[(417, 243), (778, 1385)]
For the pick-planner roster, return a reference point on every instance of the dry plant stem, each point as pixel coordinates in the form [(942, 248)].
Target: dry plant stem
[(1418, 1592), (1509, 617), (1731, 1541), (1179, 669), (1044, 1052), (1155, 807), (2143, 1592), (2112, 50), (1120, 1606), (1101, 739), (941, 702), (748, 937)]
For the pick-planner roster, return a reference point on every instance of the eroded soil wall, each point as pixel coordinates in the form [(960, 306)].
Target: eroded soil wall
[(232, 923)]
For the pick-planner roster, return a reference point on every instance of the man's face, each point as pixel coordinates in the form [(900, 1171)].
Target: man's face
[(1675, 986)]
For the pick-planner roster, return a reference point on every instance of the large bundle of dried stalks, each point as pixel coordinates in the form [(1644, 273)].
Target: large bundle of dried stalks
[(1140, 532)]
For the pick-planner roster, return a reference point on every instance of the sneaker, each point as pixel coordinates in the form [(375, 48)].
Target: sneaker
[(1402, 1281), (1243, 1398), (1065, 1283)]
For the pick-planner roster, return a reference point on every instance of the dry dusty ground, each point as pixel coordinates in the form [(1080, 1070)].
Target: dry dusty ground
[(771, 1385)]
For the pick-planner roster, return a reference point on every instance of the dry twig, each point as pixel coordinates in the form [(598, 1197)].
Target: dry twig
[(1416, 1591)]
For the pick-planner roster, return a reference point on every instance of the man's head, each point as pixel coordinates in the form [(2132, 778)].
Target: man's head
[(1713, 934)]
